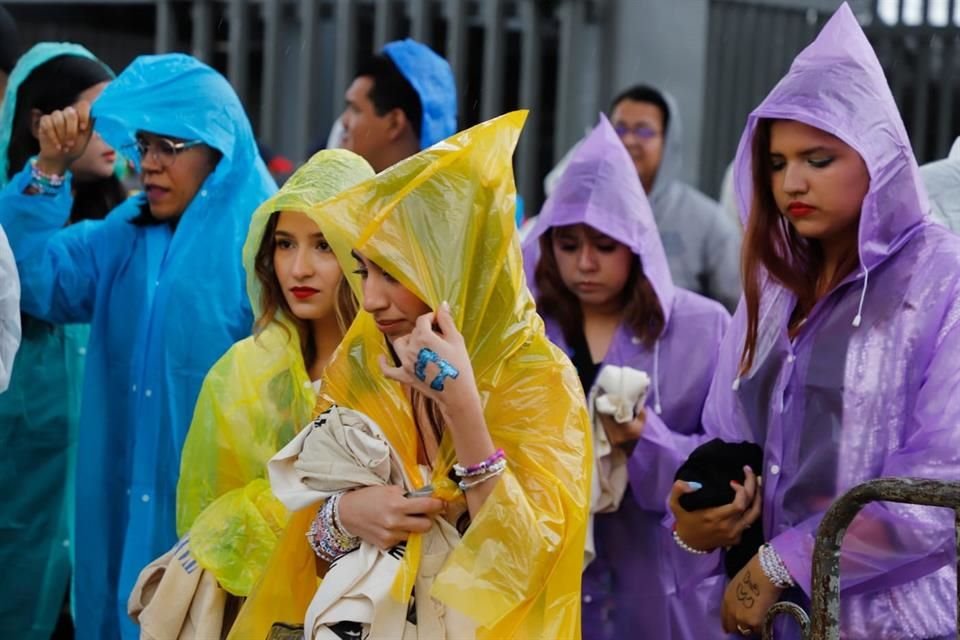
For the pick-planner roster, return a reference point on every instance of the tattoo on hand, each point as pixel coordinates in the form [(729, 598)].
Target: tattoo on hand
[(748, 591)]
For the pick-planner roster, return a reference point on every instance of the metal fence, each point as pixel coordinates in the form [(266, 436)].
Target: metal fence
[(824, 620), (291, 60), (752, 42)]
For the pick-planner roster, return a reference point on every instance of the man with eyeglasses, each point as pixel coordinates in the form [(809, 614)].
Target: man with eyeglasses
[(701, 242)]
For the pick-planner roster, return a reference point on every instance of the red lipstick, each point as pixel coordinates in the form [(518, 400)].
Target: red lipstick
[(302, 293), (799, 209)]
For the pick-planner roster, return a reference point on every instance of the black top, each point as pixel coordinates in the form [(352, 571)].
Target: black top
[(587, 369)]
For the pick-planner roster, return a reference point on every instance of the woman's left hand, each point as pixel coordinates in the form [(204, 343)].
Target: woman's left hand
[(626, 434), (747, 599), (434, 361)]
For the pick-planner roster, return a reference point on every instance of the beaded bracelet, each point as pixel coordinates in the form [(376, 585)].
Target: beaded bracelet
[(493, 471), (326, 536), (480, 468), (773, 567), (683, 545), (44, 183)]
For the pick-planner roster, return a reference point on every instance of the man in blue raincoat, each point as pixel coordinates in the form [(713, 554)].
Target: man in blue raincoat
[(402, 100), (161, 283)]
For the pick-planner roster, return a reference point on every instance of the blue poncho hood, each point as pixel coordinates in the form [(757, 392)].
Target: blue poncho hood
[(432, 79)]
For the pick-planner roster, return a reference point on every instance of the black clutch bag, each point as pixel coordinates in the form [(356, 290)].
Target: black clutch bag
[(714, 465)]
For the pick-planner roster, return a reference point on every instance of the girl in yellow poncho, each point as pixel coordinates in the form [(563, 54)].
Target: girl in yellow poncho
[(438, 227), (259, 394)]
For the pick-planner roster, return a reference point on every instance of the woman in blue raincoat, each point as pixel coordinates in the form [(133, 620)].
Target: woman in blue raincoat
[(38, 413), (161, 282)]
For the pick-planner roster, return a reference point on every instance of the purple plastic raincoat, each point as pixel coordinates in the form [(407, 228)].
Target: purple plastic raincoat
[(871, 385), (632, 585)]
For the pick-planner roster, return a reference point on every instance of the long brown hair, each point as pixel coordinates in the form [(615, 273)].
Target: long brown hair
[(772, 245), (272, 299), (641, 307)]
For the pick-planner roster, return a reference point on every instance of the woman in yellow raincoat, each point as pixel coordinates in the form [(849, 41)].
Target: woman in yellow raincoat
[(261, 392), (438, 228)]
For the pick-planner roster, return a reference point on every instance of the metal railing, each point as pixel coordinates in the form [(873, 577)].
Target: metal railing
[(824, 620)]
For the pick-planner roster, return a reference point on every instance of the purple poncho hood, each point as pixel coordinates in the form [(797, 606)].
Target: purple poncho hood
[(837, 85), (600, 188)]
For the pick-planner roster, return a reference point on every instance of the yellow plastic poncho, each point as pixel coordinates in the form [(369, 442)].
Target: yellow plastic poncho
[(253, 401), (441, 222)]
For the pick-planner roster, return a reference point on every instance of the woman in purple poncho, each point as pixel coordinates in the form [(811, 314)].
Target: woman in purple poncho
[(596, 264), (843, 360)]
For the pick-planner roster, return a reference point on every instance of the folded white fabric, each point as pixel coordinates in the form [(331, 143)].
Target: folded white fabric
[(620, 390), (617, 392)]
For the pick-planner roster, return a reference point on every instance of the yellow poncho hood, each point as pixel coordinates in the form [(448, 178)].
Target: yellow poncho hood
[(253, 401), (442, 223)]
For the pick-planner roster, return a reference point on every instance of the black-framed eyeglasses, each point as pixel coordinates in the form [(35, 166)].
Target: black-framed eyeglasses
[(163, 150)]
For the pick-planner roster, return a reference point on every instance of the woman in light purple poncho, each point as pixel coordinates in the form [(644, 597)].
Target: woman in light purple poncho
[(629, 315), (843, 361)]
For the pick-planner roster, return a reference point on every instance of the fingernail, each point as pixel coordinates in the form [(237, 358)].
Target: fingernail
[(445, 306), (747, 468), (694, 486)]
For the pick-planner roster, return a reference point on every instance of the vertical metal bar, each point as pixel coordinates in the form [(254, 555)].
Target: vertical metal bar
[(238, 55), (945, 108), (956, 528), (270, 12), (921, 98), (491, 101), (420, 21), (529, 147), (306, 81), (201, 45), (383, 23), (457, 47), (163, 36), (570, 13), (345, 63)]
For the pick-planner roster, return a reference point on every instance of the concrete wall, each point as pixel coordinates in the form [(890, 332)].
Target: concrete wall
[(663, 43)]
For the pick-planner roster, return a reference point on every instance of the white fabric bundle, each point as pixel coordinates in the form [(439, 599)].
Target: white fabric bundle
[(618, 392)]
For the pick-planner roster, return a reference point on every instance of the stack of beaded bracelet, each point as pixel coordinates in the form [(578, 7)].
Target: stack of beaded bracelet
[(774, 569), (481, 472), (44, 183), (683, 545), (326, 535)]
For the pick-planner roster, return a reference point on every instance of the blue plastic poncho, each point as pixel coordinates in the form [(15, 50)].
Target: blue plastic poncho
[(163, 305), (38, 416), (432, 79)]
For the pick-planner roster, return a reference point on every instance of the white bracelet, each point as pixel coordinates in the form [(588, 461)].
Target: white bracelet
[(773, 567), (683, 545)]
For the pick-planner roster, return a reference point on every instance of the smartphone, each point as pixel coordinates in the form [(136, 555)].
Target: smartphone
[(422, 492)]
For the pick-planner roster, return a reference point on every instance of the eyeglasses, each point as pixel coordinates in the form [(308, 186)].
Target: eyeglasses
[(163, 150), (642, 131)]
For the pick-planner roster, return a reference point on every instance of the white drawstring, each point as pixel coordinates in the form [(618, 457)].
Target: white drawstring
[(863, 294), (656, 378)]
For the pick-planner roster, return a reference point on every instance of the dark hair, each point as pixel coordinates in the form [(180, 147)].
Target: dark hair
[(391, 90), (53, 85), (772, 244), (9, 42), (272, 299), (644, 93), (641, 307)]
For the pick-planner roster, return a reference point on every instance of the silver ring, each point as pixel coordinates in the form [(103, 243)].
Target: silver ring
[(744, 631)]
